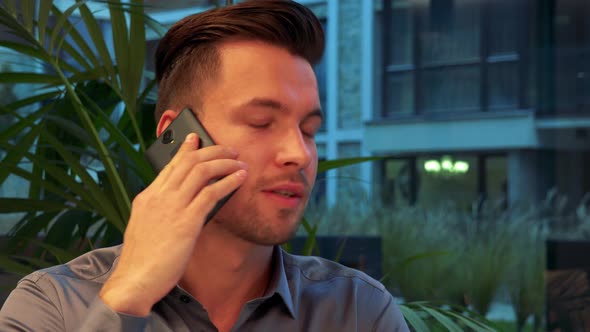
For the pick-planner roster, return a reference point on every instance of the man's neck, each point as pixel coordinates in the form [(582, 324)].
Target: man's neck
[(225, 273)]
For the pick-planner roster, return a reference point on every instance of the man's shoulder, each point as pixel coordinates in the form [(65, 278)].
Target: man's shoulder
[(329, 296), (317, 269), (95, 266)]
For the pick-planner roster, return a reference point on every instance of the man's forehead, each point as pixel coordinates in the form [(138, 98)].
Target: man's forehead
[(275, 104)]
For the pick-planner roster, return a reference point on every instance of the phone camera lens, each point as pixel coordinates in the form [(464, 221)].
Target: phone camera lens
[(168, 137)]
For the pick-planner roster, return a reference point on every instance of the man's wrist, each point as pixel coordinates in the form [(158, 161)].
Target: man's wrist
[(122, 300)]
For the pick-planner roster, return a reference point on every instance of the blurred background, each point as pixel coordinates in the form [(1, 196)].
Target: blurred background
[(479, 112)]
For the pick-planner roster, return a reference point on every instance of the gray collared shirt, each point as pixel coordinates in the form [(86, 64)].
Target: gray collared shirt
[(305, 294)]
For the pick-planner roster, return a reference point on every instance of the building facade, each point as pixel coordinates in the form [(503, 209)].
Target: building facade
[(464, 99)]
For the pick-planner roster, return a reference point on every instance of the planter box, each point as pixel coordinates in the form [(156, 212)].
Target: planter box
[(359, 252), (567, 282)]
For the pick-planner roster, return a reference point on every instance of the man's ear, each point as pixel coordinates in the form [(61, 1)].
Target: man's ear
[(167, 117)]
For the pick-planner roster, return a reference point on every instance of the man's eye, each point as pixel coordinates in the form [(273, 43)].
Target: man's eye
[(309, 132), (260, 125)]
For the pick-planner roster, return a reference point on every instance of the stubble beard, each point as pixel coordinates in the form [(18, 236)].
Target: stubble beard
[(261, 227), (252, 227)]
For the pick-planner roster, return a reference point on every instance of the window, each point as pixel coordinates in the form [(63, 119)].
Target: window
[(398, 187), (572, 47), (449, 31), (457, 179), (441, 180), (496, 180), (453, 56)]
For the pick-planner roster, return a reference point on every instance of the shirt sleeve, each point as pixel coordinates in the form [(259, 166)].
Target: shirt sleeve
[(27, 308), (30, 308), (390, 318), (102, 318)]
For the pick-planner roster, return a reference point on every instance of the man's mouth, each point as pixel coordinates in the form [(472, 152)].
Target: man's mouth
[(288, 194), (285, 193)]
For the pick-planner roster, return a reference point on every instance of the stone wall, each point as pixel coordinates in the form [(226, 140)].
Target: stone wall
[(349, 64)]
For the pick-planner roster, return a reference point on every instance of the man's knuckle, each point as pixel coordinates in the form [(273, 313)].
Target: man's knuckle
[(208, 192), (139, 199)]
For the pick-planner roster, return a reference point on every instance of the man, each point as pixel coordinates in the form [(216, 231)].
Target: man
[(245, 71)]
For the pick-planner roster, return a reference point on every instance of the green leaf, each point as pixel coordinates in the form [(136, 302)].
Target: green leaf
[(340, 250), (8, 20), (28, 227), (442, 319), (121, 197), (146, 91), (88, 55), (31, 78), (409, 260), (36, 263), (94, 74), (96, 35), (68, 229), (310, 242), (471, 323), (120, 41), (136, 55), (15, 155), (135, 63), (89, 183), (42, 17), (10, 265), (14, 205), (71, 128), (27, 14), (156, 26), (44, 97), (35, 187), (414, 319), (60, 254), (138, 162), (48, 186), (90, 192), (19, 127), (24, 49), (338, 163), (59, 29), (66, 47), (288, 247), (10, 6)]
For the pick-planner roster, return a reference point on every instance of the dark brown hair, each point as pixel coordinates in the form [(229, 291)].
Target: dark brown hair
[(187, 57)]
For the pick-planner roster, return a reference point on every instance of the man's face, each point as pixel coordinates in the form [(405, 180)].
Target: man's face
[(265, 104)]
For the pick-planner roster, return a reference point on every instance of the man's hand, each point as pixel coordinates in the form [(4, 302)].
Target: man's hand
[(165, 223)]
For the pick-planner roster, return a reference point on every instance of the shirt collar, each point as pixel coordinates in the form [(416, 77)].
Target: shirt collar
[(279, 282)]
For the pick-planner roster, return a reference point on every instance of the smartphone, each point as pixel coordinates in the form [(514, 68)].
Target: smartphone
[(167, 144)]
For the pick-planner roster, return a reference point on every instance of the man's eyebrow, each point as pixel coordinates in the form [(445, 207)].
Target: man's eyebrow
[(277, 105)]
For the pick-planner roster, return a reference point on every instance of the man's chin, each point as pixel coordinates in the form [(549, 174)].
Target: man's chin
[(277, 234), (261, 225)]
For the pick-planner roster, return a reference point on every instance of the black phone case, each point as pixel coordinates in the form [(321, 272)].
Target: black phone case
[(163, 149), (161, 152)]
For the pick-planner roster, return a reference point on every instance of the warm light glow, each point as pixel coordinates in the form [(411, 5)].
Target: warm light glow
[(447, 163), (432, 166), (446, 166), (461, 167)]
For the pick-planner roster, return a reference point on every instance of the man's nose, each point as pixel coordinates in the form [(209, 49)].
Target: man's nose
[(294, 150)]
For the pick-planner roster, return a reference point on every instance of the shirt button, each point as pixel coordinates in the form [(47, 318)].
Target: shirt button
[(185, 299)]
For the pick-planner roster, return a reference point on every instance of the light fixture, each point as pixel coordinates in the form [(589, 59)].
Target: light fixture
[(446, 166)]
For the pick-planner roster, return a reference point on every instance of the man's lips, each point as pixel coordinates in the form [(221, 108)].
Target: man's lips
[(288, 190)]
